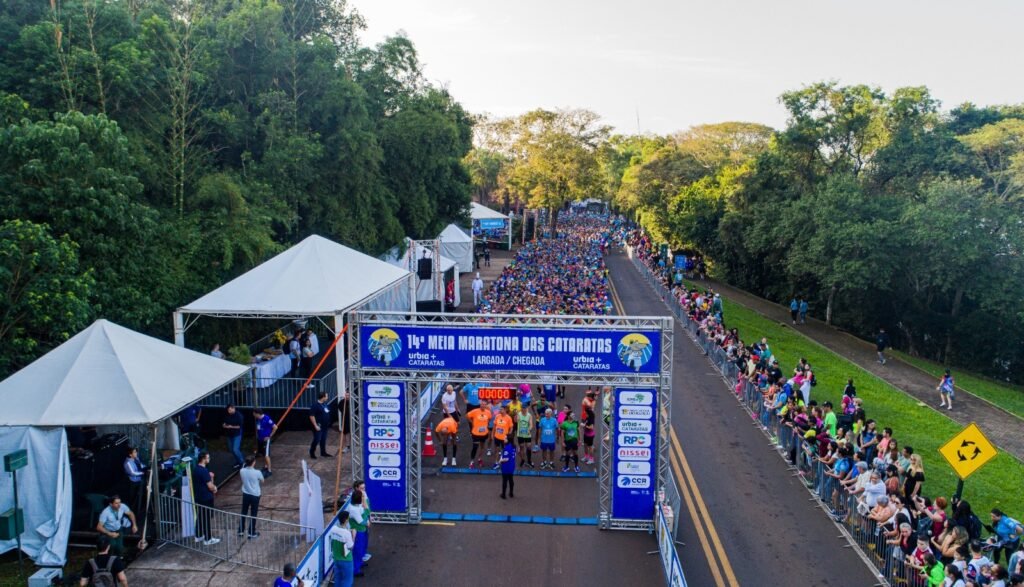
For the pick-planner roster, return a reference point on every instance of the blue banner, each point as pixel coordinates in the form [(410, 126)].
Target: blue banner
[(679, 261), (499, 349), (384, 445), (634, 461), (491, 223)]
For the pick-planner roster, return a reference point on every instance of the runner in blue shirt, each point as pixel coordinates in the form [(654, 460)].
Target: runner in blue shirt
[(288, 578), (471, 395), (548, 432)]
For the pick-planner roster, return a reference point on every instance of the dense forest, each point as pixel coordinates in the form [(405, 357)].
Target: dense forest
[(883, 210), (152, 149)]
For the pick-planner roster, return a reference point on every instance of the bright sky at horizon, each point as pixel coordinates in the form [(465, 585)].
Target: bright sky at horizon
[(677, 64)]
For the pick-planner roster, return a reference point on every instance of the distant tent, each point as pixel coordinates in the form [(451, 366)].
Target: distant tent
[(457, 245)]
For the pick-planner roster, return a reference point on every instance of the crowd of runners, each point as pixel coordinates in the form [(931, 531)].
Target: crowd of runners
[(564, 274), (917, 540)]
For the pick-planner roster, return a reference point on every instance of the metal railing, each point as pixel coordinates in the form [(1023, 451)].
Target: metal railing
[(312, 322), (277, 543), (876, 542), (275, 394)]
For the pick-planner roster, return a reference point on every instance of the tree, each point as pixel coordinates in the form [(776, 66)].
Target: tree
[(45, 294)]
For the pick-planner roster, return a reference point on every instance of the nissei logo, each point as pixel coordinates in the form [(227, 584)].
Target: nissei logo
[(382, 390), (633, 454), (383, 419), (383, 405), (634, 425), (392, 446), (391, 432), (634, 439), (636, 398), (385, 473), (633, 481), (641, 412)]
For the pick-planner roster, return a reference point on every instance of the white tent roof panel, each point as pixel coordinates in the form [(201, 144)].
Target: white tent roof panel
[(110, 375), (315, 277), (479, 212)]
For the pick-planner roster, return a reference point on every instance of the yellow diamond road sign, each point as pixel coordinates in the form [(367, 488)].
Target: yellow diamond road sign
[(968, 451)]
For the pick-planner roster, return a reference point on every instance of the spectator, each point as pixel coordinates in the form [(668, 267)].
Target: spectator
[(360, 522), (135, 471), (288, 578), (803, 311), (914, 478), (188, 419), (204, 491), (104, 568), (216, 352), (233, 432), (794, 310), (113, 521), (1007, 537), (478, 289), (881, 343), (251, 492), (508, 468), (946, 389)]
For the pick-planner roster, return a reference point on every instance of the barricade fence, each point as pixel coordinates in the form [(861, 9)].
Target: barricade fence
[(877, 541), (275, 543), (272, 393)]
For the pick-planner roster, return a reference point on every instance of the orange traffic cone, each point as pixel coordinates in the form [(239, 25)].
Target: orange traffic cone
[(428, 445)]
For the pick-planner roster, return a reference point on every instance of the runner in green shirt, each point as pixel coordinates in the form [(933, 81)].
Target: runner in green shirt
[(524, 436), (570, 431)]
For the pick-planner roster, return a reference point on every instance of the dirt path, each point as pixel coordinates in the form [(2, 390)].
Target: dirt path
[(1000, 426)]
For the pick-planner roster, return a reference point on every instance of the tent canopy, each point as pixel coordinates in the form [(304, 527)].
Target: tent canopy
[(110, 375), (316, 277), (457, 245), (398, 259), (478, 212)]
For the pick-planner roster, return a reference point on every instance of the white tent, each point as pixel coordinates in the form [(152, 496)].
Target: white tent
[(490, 224), (104, 375), (457, 245), (425, 289), (316, 277)]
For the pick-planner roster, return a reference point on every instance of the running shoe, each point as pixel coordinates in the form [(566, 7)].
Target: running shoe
[(488, 452), (577, 469), (471, 464), (444, 462), (565, 469), (454, 464), (211, 542), (480, 462), (254, 535)]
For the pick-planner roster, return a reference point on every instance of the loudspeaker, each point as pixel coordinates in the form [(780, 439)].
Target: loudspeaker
[(428, 306), (425, 268)]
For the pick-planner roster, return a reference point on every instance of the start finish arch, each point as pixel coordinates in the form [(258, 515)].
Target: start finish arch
[(394, 358)]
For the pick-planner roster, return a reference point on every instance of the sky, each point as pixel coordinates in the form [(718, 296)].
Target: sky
[(663, 66)]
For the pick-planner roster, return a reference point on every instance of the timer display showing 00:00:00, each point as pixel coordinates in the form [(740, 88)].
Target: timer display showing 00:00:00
[(496, 393)]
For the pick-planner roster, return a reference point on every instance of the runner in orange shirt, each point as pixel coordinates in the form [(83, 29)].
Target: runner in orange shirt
[(478, 420), (446, 432), (502, 429)]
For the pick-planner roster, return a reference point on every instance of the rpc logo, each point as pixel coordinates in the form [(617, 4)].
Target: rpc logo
[(634, 439), (389, 432)]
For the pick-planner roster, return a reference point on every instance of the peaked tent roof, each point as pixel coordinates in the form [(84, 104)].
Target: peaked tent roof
[(477, 212), (315, 277), (392, 257), (108, 374), (452, 233)]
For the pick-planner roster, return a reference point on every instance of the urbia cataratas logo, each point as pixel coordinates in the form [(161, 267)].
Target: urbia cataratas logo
[(635, 350), (385, 345)]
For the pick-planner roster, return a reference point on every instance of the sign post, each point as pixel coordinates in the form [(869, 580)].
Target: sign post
[(14, 519), (966, 453)]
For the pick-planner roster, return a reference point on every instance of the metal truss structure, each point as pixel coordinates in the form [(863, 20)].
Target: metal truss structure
[(416, 379)]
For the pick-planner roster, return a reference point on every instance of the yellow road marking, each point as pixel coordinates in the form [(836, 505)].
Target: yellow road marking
[(704, 543), (429, 523), (726, 565), (685, 479)]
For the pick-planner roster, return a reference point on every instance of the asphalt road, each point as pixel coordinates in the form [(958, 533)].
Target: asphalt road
[(770, 531)]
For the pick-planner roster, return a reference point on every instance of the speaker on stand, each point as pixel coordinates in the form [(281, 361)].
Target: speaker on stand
[(425, 268)]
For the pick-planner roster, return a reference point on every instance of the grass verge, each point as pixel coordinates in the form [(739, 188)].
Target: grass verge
[(997, 484), (1006, 396)]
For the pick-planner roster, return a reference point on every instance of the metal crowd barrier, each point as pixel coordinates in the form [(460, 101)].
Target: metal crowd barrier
[(277, 394), (278, 542), (801, 455)]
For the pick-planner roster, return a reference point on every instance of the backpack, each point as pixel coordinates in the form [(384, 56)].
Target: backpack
[(814, 379), (924, 525), (103, 577), (974, 527)]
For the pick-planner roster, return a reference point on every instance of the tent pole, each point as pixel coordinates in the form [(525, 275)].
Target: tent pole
[(179, 329), (339, 355)]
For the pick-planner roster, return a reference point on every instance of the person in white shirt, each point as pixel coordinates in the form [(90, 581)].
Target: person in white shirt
[(251, 492), (478, 289), (342, 541)]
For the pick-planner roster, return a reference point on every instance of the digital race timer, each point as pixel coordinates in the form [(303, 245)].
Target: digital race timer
[(493, 394)]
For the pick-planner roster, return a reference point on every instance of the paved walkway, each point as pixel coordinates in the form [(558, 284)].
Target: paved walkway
[(1000, 426)]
